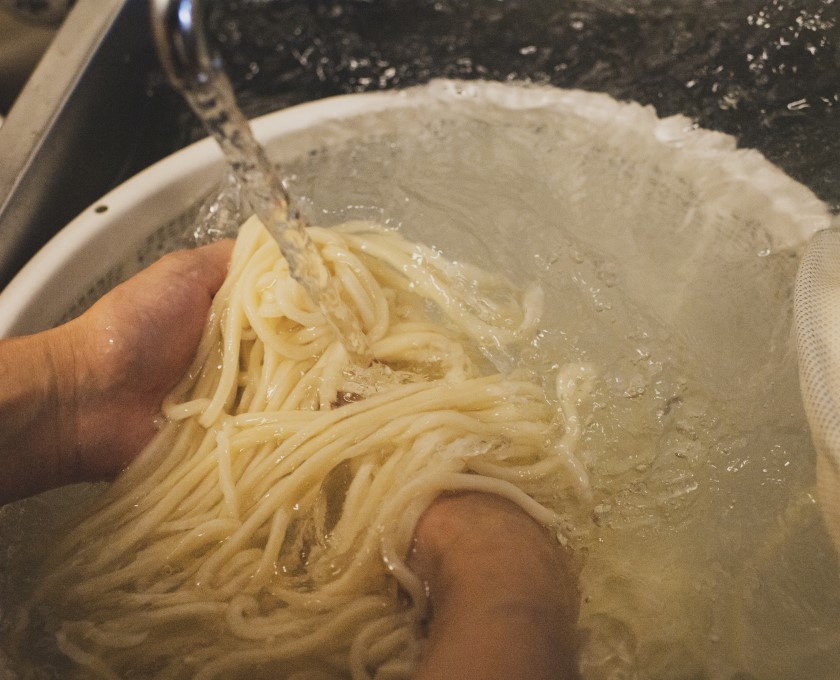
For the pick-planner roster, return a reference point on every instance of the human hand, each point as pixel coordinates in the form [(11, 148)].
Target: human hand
[(80, 401), (132, 347), (503, 592)]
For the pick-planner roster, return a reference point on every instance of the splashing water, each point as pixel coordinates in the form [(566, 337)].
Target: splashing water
[(213, 101)]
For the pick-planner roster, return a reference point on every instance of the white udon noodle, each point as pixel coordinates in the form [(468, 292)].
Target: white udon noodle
[(264, 530)]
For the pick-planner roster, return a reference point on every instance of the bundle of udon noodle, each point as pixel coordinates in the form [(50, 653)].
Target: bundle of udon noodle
[(266, 528)]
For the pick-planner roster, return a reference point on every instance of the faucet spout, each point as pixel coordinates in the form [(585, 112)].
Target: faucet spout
[(178, 30)]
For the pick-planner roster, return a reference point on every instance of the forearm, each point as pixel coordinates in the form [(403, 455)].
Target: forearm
[(500, 641), (503, 596), (36, 401)]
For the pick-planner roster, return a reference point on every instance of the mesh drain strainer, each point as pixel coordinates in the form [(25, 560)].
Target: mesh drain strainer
[(817, 318)]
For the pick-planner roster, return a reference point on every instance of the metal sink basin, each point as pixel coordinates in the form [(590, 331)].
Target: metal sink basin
[(77, 128)]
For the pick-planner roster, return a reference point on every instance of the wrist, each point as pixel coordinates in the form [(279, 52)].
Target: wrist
[(37, 413), (105, 419), (465, 541)]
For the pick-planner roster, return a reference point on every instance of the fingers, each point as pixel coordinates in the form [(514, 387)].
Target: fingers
[(212, 264), (206, 266)]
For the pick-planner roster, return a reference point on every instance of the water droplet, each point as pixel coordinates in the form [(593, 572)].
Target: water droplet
[(633, 385), (600, 513)]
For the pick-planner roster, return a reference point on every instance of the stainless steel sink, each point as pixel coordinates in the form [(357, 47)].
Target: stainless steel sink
[(22, 43), (77, 128)]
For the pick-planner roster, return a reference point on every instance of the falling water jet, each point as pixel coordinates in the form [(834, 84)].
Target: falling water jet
[(198, 74)]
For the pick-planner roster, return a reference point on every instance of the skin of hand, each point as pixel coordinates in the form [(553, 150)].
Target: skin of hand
[(503, 593), (79, 401)]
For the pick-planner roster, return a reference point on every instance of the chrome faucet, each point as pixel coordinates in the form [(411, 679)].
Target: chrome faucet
[(178, 29)]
